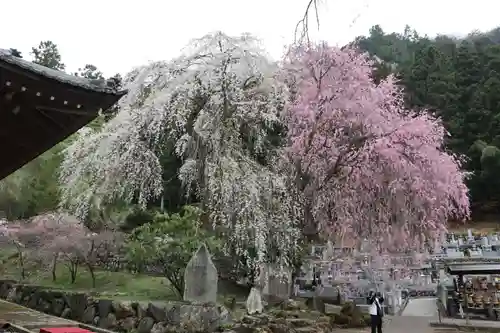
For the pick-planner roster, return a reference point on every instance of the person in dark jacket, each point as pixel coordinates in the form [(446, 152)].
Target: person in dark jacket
[(375, 300)]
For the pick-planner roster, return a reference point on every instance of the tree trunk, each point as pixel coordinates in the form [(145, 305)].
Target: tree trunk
[(92, 274), (310, 229), (21, 265), (176, 279), (54, 266), (73, 270)]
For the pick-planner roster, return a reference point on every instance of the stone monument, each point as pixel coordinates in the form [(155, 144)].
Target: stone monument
[(200, 278), (329, 251), (254, 301), (276, 282)]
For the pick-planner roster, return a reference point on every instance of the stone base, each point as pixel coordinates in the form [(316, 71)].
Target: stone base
[(143, 317)]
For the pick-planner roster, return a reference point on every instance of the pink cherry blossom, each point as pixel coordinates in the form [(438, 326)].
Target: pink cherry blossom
[(367, 166)]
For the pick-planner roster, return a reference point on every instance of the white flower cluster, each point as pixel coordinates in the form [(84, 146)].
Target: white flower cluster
[(216, 104)]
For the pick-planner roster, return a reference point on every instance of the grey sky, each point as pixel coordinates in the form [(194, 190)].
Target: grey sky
[(117, 35)]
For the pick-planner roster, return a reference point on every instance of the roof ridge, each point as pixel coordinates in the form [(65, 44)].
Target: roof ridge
[(107, 86)]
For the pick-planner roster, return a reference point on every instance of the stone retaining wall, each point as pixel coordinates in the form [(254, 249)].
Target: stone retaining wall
[(121, 316)]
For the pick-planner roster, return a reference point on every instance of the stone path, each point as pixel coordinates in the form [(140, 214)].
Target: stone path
[(30, 319)]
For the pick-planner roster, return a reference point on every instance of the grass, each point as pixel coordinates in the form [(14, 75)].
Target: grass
[(109, 285), (115, 285)]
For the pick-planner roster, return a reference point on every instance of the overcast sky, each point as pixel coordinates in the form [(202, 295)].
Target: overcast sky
[(117, 35)]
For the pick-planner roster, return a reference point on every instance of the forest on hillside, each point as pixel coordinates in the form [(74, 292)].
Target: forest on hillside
[(459, 81)]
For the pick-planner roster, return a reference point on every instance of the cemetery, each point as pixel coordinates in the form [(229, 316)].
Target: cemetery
[(337, 297), (222, 165), (332, 288), (462, 271), (199, 310), (330, 291)]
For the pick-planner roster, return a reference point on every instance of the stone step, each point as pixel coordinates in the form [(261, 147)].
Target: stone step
[(301, 322), (28, 318)]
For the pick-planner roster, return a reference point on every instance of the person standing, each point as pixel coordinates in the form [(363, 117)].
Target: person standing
[(375, 301)]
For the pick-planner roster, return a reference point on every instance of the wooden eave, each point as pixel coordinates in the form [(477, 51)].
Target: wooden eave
[(40, 107)]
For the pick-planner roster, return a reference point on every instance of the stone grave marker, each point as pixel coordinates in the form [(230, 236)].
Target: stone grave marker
[(200, 278), (254, 301), (276, 284), (494, 239), (279, 287), (470, 236), (329, 251)]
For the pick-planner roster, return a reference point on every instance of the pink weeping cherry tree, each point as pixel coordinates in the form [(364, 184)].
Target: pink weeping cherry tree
[(366, 166)]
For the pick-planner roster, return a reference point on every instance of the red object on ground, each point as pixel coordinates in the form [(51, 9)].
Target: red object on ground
[(64, 330)]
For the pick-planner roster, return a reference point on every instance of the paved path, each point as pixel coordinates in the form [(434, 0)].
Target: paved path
[(30, 319), (415, 318), (421, 307), (401, 324)]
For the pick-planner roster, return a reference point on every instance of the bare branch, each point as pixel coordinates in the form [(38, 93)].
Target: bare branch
[(303, 24)]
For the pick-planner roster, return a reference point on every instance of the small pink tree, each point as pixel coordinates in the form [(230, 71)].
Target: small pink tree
[(365, 165), (98, 248), (26, 239), (53, 229), (81, 247), (11, 233)]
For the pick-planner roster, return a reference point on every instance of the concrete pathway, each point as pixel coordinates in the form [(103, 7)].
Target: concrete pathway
[(30, 319), (416, 317), (401, 324), (421, 307)]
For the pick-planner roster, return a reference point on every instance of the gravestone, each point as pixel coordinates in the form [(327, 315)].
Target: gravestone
[(365, 246), (453, 240), (200, 278), (494, 239), (276, 283), (279, 287), (254, 301), (329, 251), (470, 237)]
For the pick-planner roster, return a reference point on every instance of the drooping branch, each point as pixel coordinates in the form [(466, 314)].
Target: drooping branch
[(217, 105), (363, 160)]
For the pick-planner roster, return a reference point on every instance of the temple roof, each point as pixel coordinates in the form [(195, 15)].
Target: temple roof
[(102, 86), (39, 107)]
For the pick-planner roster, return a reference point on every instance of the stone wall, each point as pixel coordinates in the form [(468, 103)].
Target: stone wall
[(121, 316)]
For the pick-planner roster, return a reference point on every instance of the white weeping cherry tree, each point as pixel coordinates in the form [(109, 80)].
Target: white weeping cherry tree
[(217, 104)]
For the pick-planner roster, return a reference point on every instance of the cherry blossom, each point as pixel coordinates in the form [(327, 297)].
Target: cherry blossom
[(366, 166), (216, 105)]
